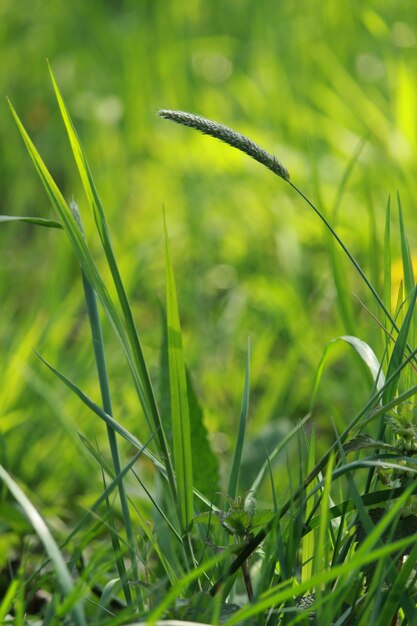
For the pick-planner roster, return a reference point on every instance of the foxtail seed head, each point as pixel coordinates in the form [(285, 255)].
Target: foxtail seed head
[(229, 136)]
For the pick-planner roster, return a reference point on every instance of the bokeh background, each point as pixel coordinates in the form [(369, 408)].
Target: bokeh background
[(315, 83)]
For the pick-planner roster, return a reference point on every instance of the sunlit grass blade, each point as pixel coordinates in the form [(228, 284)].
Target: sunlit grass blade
[(237, 455), (97, 340), (180, 414), (387, 260), (146, 390), (405, 253), (397, 356), (41, 529), (308, 541), (321, 547), (79, 246), (87, 264), (205, 461), (98, 345)]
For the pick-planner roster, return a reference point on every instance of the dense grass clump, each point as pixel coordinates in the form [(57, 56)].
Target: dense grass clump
[(314, 533)]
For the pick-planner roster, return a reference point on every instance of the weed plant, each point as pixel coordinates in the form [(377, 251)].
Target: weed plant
[(336, 544)]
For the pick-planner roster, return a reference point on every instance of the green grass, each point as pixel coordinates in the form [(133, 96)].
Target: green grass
[(219, 482), (351, 539)]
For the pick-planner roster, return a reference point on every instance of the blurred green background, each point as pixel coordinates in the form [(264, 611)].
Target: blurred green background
[(310, 81)]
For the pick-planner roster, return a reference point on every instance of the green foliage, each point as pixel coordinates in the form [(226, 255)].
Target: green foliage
[(151, 516)]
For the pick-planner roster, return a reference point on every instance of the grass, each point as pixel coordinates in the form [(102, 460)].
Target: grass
[(336, 543), (329, 90)]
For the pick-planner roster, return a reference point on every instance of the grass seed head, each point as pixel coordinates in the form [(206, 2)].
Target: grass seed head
[(229, 136)]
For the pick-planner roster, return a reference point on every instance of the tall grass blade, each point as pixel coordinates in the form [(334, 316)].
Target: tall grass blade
[(82, 253), (237, 456), (308, 541), (387, 259), (405, 253), (397, 356), (41, 529), (145, 390), (118, 428), (180, 414), (320, 557), (98, 344), (205, 462)]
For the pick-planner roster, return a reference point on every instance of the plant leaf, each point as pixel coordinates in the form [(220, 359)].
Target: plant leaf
[(38, 221), (180, 411), (205, 463), (137, 361), (237, 456), (398, 352), (364, 351), (405, 253)]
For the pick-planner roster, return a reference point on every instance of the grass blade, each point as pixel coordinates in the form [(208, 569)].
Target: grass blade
[(308, 541), (405, 253), (98, 344), (387, 259), (41, 529), (38, 221), (365, 352), (237, 456), (86, 262), (180, 414), (146, 392), (399, 350)]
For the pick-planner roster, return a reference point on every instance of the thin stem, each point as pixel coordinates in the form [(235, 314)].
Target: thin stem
[(98, 345), (347, 252)]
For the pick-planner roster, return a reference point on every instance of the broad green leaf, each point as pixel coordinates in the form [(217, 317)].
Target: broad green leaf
[(41, 529), (205, 463), (180, 412)]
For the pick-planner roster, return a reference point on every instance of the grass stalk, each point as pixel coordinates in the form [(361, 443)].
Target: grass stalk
[(99, 354), (98, 344)]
